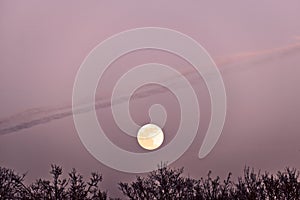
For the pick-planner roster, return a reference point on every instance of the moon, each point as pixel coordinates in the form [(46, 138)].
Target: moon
[(150, 136)]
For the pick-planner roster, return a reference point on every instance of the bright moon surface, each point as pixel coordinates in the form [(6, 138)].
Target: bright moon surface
[(150, 136)]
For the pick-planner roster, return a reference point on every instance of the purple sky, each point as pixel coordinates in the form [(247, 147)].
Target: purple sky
[(256, 45)]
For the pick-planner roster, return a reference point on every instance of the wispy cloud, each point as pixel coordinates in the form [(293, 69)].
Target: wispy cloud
[(259, 56), (231, 63), (37, 116)]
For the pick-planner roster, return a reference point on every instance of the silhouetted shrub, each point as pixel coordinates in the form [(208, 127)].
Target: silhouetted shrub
[(11, 184), (73, 188), (162, 184), (167, 183)]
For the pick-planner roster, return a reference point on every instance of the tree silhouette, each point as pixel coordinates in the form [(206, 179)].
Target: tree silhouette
[(284, 185), (73, 188), (11, 184), (165, 183), (168, 183)]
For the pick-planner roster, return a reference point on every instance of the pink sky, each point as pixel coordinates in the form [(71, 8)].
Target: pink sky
[(254, 43)]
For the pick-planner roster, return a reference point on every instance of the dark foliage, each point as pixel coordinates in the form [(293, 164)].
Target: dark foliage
[(167, 183), (162, 184), (11, 184), (73, 188)]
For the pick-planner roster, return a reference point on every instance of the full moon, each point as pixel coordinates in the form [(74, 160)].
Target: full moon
[(150, 136)]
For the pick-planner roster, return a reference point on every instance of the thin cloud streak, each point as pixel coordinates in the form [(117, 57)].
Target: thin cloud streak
[(233, 63)]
